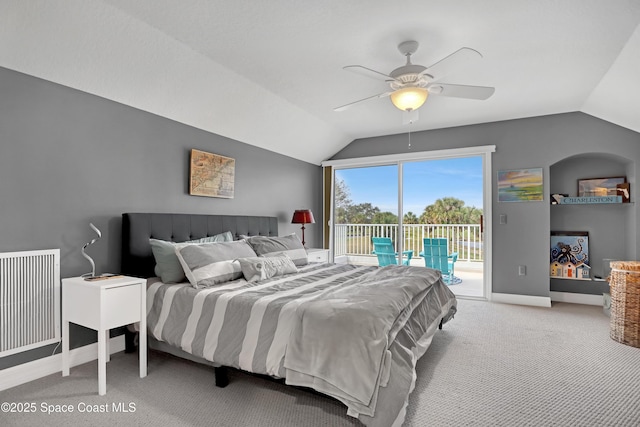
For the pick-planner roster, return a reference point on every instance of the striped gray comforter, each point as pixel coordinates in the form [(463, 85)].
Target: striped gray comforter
[(351, 332)]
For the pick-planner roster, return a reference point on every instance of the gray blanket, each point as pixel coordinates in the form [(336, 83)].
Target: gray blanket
[(341, 329), (340, 342)]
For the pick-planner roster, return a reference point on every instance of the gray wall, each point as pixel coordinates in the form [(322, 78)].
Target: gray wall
[(525, 143), (68, 158)]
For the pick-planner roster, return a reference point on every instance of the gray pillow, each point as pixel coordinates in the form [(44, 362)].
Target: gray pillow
[(212, 263), (273, 246), (261, 268), (168, 268)]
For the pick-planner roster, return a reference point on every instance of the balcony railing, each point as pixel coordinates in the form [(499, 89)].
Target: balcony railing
[(355, 239)]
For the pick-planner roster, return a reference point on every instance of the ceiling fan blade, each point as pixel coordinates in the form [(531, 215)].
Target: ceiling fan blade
[(344, 107), (458, 60), (461, 91), (367, 72)]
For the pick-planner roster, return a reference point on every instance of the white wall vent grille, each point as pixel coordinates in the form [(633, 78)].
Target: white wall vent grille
[(29, 300)]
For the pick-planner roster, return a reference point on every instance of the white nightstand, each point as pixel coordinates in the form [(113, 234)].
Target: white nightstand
[(102, 305), (318, 255)]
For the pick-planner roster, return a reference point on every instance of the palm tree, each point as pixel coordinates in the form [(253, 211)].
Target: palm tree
[(448, 210), (410, 218)]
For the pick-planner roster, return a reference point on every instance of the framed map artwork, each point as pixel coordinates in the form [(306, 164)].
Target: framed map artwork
[(211, 175)]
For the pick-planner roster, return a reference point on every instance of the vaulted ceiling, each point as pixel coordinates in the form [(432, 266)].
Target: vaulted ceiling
[(269, 73)]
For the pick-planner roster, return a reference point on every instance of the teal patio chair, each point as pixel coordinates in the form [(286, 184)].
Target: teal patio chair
[(436, 255), (386, 253)]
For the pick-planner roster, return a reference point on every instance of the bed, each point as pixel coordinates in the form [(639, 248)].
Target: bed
[(351, 332)]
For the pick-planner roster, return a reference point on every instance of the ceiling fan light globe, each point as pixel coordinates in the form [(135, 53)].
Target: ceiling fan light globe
[(409, 98)]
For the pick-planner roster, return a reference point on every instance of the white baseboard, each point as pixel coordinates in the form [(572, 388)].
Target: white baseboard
[(576, 298), (521, 299), (30, 371)]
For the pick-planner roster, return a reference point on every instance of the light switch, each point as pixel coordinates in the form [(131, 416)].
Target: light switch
[(503, 218)]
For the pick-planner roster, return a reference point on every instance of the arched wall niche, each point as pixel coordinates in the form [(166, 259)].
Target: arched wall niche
[(611, 227), (564, 174)]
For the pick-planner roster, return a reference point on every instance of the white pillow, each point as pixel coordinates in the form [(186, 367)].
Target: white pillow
[(261, 268), (273, 246), (212, 263), (168, 267)]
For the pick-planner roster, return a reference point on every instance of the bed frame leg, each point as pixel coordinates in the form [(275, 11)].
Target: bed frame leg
[(440, 325), (130, 345), (222, 379)]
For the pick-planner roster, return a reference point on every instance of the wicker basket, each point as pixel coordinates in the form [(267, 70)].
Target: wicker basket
[(625, 302)]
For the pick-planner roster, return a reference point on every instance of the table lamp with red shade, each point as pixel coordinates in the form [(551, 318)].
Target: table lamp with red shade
[(302, 216)]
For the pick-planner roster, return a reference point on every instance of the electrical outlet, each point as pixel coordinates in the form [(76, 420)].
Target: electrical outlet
[(522, 270)]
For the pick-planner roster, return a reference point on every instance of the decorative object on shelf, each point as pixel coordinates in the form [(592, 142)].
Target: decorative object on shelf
[(624, 190), (84, 254), (556, 198), (599, 187), (211, 175), (590, 200), (520, 185), (302, 216), (570, 255)]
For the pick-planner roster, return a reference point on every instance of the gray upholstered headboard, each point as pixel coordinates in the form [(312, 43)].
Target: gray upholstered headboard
[(138, 228)]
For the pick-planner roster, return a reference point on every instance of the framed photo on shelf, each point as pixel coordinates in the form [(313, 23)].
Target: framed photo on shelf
[(570, 255), (600, 187)]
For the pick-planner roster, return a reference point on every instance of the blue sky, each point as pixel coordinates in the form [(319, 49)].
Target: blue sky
[(424, 183)]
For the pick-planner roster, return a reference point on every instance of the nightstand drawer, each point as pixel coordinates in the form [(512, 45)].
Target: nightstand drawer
[(121, 305), (318, 255)]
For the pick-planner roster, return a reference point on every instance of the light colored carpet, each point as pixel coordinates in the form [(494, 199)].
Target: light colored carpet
[(493, 365)]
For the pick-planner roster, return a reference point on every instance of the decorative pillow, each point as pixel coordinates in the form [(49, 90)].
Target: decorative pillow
[(261, 268), (168, 267), (212, 263), (273, 246)]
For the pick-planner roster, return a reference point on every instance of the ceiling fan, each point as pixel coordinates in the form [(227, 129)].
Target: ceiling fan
[(411, 84)]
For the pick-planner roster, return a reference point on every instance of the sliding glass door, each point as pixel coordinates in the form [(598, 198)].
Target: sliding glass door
[(365, 206), (442, 200), (443, 195)]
